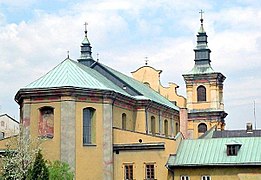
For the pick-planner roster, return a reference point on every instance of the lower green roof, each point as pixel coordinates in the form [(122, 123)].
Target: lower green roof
[(213, 152)]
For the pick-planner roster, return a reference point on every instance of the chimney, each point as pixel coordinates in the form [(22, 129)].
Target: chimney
[(249, 128)]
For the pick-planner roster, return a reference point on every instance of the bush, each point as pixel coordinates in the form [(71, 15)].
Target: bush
[(60, 171), (39, 171)]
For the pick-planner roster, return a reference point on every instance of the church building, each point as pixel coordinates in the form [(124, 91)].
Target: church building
[(107, 125)]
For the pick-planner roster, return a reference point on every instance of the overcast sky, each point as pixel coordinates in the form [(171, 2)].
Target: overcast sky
[(36, 35)]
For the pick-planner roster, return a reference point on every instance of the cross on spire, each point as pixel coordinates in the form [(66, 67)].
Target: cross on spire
[(146, 61), (201, 16), (85, 26)]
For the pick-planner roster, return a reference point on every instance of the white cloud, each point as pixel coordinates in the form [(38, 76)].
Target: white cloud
[(127, 31)]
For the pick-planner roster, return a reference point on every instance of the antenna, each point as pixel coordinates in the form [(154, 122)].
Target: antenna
[(255, 113)]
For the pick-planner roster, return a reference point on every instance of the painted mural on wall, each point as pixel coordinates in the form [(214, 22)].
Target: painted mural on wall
[(46, 122)]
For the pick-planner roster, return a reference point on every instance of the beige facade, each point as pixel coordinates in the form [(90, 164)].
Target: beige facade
[(151, 77), (8, 126)]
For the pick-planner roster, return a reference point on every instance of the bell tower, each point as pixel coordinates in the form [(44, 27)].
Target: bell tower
[(204, 89)]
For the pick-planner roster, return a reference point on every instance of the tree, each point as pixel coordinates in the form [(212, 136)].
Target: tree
[(20, 155), (60, 171), (39, 171)]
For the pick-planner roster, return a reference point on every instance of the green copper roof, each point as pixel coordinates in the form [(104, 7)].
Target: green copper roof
[(86, 41), (210, 152), (146, 91), (72, 74), (201, 69)]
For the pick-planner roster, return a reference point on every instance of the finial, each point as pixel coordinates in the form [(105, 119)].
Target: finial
[(68, 54), (201, 16), (146, 60), (85, 31), (97, 57)]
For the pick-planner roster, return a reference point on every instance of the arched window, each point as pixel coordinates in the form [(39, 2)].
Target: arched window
[(166, 128), (146, 83), (46, 122), (153, 125), (202, 128), (201, 93), (88, 126), (2, 123), (123, 121)]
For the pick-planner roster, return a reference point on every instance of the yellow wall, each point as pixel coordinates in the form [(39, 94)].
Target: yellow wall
[(217, 173), (193, 127), (89, 155), (140, 157), (51, 147), (117, 117), (214, 96)]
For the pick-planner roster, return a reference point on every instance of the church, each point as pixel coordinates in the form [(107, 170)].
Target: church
[(107, 125)]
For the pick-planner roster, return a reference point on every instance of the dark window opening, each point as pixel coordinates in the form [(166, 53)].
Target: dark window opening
[(88, 125), (232, 150), (202, 128), (201, 93)]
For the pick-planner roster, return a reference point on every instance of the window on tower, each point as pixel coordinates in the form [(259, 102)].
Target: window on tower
[(202, 128), (201, 93)]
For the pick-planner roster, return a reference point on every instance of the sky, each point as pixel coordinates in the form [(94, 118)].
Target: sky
[(35, 36)]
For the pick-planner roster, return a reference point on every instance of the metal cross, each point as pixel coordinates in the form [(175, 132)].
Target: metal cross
[(201, 12), (85, 24), (68, 54)]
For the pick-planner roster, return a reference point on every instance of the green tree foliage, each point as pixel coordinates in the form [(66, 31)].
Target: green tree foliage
[(39, 171), (60, 171)]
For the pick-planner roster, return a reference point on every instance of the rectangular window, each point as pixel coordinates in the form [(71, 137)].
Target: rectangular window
[(128, 172), (205, 177), (150, 172), (184, 177)]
